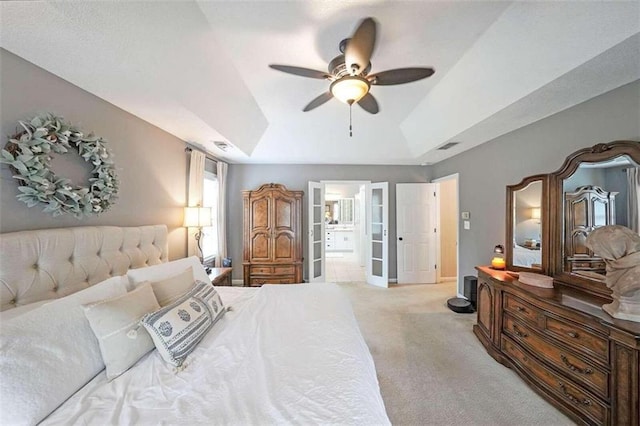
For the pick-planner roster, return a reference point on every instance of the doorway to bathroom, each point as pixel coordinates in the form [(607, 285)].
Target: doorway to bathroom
[(344, 237)]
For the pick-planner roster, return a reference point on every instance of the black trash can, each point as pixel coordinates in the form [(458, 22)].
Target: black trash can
[(470, 290)]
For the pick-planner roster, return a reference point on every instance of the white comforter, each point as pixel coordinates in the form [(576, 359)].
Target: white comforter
[(285, 354)]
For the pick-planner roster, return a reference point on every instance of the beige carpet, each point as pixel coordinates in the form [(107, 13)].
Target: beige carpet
[(432, 369)]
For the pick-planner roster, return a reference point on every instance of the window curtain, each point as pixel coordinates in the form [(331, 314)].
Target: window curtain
[(222, 212), (633, 199), (196, 183)]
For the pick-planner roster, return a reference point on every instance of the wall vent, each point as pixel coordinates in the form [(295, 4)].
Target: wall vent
[(221, 145), (448, 145)]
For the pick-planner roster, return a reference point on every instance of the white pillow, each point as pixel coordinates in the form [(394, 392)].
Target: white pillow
[(22, 309), (176, 329), (166, 270), (49, 353), (116, 324), (169, 289)]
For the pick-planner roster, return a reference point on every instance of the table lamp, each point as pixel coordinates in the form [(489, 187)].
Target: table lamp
[(197, 217), (498, 261)]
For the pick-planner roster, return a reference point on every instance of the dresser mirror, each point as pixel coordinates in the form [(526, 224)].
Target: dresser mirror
[(595, 187), (526, 244)]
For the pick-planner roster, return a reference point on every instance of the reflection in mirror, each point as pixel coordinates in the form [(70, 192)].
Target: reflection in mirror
[(527, 227), (597, 194)]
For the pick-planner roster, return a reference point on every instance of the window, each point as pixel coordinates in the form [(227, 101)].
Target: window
[(210, 199)]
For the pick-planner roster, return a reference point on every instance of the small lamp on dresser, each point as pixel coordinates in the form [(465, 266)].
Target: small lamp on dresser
[(197, 217), (498, 261)]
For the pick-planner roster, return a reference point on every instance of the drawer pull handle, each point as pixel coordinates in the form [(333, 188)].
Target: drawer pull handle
[(572, 334), (520, 309), (518, 332), (574, 367), (572, 398)]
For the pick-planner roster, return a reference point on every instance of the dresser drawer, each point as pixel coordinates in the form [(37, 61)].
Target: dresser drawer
[(562, 359), (521, 309), (566, 391), (578, 337)]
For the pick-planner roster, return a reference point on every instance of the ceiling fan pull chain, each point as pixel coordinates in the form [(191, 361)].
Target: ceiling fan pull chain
[(350, 132)]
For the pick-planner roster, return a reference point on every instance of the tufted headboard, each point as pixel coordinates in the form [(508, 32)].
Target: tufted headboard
[(51, 263)]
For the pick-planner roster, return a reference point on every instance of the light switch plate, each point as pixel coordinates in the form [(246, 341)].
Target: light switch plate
[(466, 215), (467, 224)]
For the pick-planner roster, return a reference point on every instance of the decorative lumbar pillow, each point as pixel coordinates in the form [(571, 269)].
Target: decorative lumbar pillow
[(166, 270), (116, 324), (176, 329), (170, 289), (49, 353)]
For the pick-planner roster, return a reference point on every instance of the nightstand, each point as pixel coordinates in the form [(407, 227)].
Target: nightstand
[(220, 276)]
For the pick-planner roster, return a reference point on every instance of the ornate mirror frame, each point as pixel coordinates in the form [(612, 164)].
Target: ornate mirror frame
[(544, 223), (555, 213)]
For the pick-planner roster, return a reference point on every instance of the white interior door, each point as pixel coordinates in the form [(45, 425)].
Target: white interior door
[(416, 219), (378, 225), (316, 264)]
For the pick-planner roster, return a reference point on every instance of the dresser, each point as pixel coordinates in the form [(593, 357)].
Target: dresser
[(272, 236), (564, 346)]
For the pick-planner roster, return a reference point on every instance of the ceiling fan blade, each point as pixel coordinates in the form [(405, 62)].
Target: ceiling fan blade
[(302, 72), (369, 104), (360, 47), (318, 101), (400, 76)]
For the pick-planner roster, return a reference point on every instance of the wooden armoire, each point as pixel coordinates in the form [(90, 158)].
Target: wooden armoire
[(272, 235)]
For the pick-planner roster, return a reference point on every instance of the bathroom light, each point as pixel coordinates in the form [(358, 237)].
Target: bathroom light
[(350, 89)]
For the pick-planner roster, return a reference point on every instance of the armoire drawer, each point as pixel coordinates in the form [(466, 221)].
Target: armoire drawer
[(284, 270), (565, 390), (274, 279), (261, 270), (594, 379)]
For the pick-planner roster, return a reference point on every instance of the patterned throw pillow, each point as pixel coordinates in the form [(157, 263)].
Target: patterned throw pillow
[(176, 329)]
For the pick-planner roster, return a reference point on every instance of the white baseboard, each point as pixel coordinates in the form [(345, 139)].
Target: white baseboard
[(393, 280), (237, 281), (454, 278)]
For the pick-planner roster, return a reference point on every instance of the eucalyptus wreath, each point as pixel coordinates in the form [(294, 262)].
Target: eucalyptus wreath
[(29, 153)]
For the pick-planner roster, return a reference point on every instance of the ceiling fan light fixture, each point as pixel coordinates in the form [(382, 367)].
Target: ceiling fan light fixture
[(350, 89)]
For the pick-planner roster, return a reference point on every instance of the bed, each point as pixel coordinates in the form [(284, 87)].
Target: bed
[(282, 354), (523, 256)]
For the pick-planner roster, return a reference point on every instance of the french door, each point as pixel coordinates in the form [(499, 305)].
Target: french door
[(378, 225), (316, 232)]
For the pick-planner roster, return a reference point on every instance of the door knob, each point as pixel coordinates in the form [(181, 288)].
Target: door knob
[(400, 238)]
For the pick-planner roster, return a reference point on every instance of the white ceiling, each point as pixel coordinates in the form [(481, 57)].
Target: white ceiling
[(199, 69)]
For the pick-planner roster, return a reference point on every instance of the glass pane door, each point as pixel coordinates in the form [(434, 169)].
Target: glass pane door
[(378, 218), (316, 232)]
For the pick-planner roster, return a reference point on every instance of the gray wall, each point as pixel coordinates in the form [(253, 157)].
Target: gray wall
[(296, 177), (151, 163), (538, 148)]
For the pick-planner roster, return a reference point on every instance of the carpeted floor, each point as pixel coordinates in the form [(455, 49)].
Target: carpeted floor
[(432, 369)]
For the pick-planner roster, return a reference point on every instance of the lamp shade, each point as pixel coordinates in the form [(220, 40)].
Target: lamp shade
[(350, 89), (197, 216), (535, 213)]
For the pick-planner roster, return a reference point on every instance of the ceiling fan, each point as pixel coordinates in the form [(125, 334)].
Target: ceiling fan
[(349, 72)]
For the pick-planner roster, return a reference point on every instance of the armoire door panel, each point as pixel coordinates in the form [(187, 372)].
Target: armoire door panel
[(260, 214), (260, 246), (284, 247), (283, 214)]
